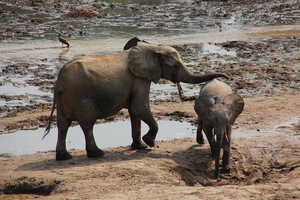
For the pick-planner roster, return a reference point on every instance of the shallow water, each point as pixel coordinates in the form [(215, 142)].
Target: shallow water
[(124, 18), (35, 50), (118, 133), (112, 134), (44, 53), (40, 60)]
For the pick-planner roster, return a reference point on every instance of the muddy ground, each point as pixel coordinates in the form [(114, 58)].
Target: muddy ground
[(265, 70), (264, 164), (38, 19)]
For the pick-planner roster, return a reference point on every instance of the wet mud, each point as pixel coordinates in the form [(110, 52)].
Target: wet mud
[(104, 19), (258, 68), (263, 66), (176, 164), (29, 185)]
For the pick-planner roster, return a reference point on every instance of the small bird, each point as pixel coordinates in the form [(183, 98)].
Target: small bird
[(63, 40), (133, 42)]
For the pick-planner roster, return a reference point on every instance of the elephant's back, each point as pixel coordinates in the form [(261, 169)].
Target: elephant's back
[(87, 71), (93, 76), (211, 96), (100, 83), (216, 88), (105, 66)]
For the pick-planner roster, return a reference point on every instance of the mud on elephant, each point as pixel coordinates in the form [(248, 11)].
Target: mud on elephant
[(95, 87), (217, 108)]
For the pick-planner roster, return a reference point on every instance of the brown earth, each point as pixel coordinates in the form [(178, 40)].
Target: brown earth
[(265, 163), (263, 167)]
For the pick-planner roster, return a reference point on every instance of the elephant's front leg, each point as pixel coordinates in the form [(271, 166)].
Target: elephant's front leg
[(211, 140), (140, 110), (226, 146), (149, 138), (136, 132)]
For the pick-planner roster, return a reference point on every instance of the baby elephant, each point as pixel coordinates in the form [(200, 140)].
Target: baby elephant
[(217, 108)]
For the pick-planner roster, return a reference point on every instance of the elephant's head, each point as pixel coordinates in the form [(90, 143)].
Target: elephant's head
[(153, 62)]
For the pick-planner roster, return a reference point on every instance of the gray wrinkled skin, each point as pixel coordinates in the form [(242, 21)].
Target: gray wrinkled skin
[(217, 108)]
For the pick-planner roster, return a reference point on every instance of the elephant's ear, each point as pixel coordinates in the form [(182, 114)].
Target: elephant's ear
[(237, 105), (144, 62), (202, 105)]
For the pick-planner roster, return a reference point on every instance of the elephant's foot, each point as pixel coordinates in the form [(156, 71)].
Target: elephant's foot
[(63, 156), (149, 140), (95, 154), (138, 145), (225, 170), (213, 153), (217, 175)]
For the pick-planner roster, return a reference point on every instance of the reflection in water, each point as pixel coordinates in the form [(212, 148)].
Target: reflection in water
[(111, 134), (209, 48), (39, 49), (62, 53)]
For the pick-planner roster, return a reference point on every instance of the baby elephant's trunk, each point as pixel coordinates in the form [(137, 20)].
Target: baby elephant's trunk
[(222, 138)]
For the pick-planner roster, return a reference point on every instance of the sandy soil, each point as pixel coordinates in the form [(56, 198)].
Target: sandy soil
[(265, 161), (265, 166)]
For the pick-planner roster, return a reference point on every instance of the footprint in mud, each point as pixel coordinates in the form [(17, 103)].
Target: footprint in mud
[(29, 185), (247, 167)]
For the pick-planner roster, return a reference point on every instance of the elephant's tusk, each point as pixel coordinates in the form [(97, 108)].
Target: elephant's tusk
[(180, 91)]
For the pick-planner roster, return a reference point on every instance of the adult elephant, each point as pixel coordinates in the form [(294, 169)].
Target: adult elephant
[(95, 87)]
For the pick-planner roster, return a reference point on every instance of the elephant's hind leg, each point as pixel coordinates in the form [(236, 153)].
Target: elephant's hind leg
[(90, 144), (199, 137), (87, 116), (62, 126)]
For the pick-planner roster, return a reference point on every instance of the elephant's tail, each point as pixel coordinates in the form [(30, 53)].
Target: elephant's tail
[(47, 130)]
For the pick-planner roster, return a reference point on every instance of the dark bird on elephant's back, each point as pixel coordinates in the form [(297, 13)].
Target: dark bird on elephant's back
[(63, 40), (133, 42)]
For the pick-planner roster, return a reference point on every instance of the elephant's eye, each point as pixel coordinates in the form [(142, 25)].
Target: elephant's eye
[(170, 60)]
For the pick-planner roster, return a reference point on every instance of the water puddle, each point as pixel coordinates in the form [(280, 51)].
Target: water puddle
[(209, 48), (286, 130), (16, 87), (111, 134), (115, 134), (29, 68), (47, 49), (37, 61)]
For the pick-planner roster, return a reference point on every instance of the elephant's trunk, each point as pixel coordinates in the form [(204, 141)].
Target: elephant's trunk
[(186, 76)]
